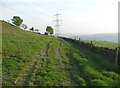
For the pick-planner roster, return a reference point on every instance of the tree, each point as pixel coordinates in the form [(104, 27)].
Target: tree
[(17, 20), (37, 30), (32, 29), (24, 26), (49, 30), (46, 33)]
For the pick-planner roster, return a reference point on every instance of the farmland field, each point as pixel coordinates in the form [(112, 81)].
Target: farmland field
[(31, 59), (102, 43)]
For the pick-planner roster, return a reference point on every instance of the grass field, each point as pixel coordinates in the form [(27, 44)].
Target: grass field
[(106, 44), (31, 59)]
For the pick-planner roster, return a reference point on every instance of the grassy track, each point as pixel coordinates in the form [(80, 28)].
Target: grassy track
[(31, 59)]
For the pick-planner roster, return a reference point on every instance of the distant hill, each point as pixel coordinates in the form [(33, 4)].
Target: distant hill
[(111, 37)]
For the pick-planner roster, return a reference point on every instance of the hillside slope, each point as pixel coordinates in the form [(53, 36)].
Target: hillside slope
[(110, 37), (106, 44), (31, 59)]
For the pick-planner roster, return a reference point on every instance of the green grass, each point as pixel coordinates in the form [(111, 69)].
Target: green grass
[(102, 43), (19, 50), (42, 60), (93, 67)]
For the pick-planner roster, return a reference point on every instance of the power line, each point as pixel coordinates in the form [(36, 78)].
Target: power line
[(57, 24)]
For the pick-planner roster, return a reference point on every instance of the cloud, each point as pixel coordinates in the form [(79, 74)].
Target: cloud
[(79, 16)]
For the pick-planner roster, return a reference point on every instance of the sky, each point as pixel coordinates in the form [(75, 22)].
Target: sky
[(78, 16)]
